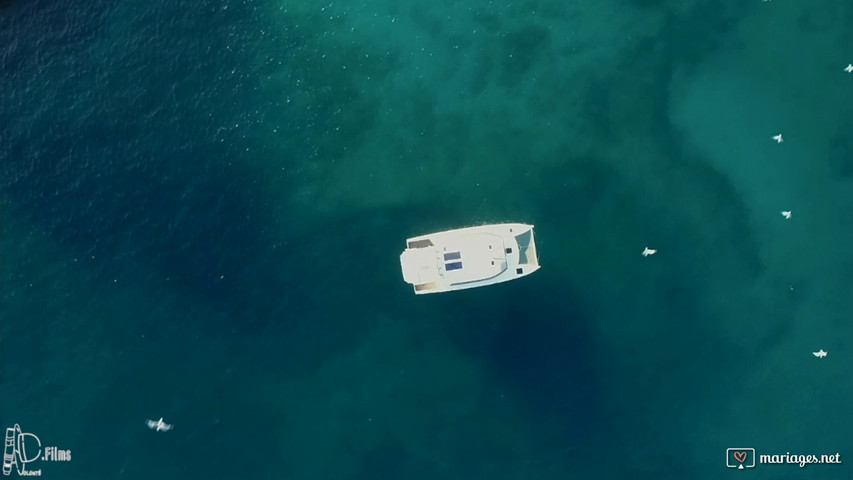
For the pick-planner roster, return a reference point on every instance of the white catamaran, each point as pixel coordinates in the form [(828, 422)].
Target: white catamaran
[(469, 257)]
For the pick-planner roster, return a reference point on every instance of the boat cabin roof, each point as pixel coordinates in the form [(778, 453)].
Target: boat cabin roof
[(472, 258)]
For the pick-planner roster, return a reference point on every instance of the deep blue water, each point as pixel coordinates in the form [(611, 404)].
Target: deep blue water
[(203, 206)]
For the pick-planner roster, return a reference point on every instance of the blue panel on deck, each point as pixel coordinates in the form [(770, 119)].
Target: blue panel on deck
[(452, 256), (453, 266)]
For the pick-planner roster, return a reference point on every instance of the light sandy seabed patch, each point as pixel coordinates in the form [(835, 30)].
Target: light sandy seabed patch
[(476, 97), (729, 108)]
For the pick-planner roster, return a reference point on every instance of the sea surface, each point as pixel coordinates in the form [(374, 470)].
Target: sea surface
[(203, 203)]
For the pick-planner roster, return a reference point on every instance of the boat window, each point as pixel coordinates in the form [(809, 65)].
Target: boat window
[(453, 266), (452, 256)]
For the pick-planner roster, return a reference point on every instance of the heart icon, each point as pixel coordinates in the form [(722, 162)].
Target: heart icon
[(740, 456)]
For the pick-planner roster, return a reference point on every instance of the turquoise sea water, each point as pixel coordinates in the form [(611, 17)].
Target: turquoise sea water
[(203, 204)]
